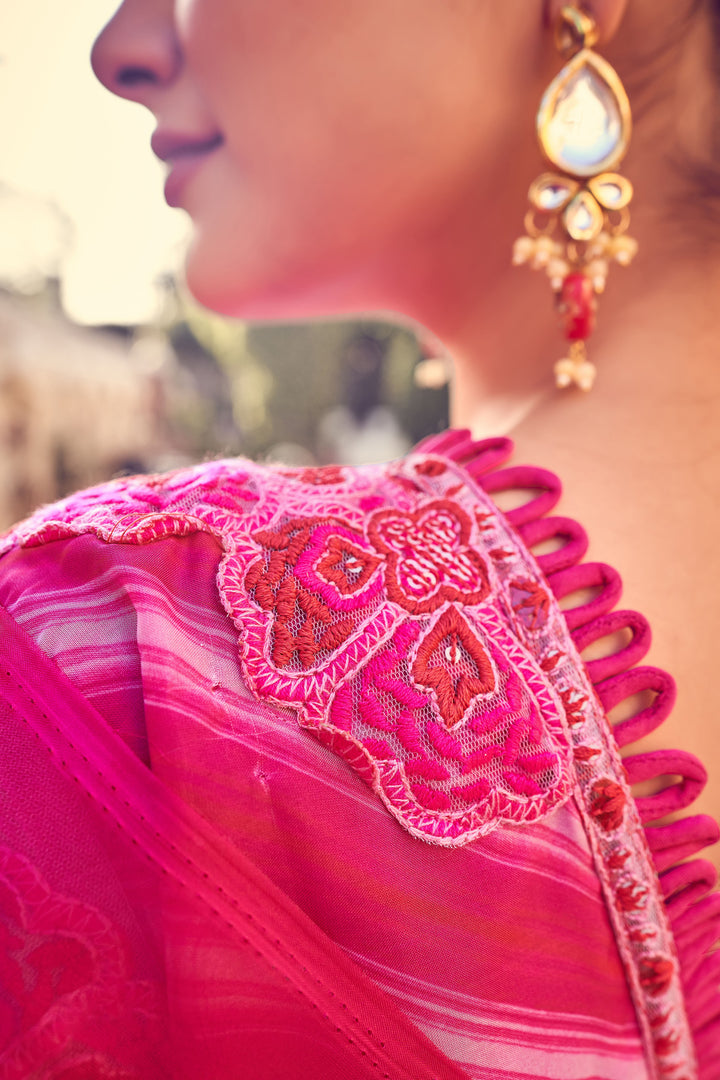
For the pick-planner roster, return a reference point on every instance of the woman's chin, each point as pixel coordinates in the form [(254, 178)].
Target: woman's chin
[(222, 286), (241, 287)]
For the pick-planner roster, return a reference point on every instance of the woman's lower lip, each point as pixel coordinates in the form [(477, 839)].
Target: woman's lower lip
[(181, 171)]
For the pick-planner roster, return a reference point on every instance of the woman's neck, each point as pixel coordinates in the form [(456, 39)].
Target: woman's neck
[(656, 349)]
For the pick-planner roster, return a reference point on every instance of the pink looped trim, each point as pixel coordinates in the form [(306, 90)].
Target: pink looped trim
[(495, 453), (696, 945), (683, 887), (691, 929), (587, 576), (614, 690), (556, 528), (525, 477), (681, 839), (478, 457), (707, 971), (606, 625), (706, 1034), (649, 766)]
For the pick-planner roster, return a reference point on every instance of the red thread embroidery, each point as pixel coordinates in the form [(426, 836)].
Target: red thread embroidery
[(608, 804), (318, 477), (431, 467), (429, 561), (575, 704), (531, 602), (452, 662), (617, 860), (586, 753), (631, 897), (656, 974), (347, 566)]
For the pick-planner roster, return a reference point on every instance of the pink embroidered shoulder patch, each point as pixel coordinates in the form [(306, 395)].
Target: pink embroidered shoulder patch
[(393, 627), (401, 617), (392, 608)]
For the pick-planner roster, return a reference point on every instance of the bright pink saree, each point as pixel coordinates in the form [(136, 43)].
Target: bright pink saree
[(199, 673)]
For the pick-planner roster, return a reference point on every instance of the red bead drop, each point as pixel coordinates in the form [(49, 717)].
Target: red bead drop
[(577, 304)]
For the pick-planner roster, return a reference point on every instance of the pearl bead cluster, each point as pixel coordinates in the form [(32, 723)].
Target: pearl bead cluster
[(576, 282), (544, 253)]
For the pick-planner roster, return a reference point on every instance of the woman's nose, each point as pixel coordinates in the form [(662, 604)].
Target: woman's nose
[(138, 52)]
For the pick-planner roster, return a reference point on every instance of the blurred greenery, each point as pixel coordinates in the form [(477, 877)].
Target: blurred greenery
[(81, 404), (283, 378)]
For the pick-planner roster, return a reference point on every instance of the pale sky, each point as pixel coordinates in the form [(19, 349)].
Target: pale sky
[(66, 140)]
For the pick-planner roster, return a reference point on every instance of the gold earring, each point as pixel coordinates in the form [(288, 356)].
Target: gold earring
[(578, 216)]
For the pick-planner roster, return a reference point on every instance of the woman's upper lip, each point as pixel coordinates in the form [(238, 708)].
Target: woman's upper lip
[(170, 145)]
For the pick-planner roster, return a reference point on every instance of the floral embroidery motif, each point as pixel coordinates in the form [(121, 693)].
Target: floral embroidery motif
[(429, 560), (339, 566), (346, 566), (311, 571), (382, 632), (69, 1006), (656, 974), (379, 619), (454, 664), (608, 804)]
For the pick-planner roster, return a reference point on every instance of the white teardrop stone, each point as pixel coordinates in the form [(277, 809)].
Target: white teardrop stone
[(611, 193), (552, 197), (583, 217), (584, 131)]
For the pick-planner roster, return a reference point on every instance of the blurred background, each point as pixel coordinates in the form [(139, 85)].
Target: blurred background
[(107, 367)]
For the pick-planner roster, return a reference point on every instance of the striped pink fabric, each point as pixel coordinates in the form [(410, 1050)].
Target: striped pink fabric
[(497, 958)]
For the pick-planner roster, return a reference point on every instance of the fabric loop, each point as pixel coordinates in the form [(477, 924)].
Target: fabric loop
[(657, 763), (705, 1016), (478, 456), (606, 625), (697, 938), (672, 843), (587, 576), (707, 971), (525, 477), (556, 528), (687, 883), (614, 690)]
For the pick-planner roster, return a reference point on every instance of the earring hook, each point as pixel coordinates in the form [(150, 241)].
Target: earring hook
[(575, 30)]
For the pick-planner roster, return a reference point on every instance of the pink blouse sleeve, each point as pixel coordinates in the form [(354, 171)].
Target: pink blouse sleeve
[(343, 711)]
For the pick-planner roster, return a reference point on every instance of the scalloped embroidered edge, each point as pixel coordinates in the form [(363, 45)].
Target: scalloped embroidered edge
[(307, 695), (136, 511)]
